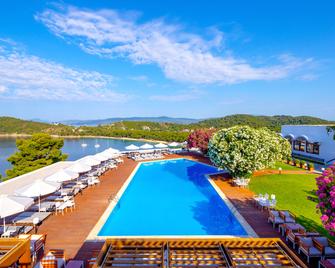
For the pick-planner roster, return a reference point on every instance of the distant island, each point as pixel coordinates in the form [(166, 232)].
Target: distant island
[(155, 128)]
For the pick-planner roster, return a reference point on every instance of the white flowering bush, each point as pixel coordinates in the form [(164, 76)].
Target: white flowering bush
[(243, 150)]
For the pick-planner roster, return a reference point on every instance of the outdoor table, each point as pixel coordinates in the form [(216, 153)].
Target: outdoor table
[(75, 264)]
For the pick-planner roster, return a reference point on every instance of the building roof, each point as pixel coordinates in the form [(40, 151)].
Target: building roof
[(13, 250), (229, 252), (8, 187)]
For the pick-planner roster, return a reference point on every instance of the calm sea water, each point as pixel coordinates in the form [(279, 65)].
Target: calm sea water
[(72, 147), (171, 198)]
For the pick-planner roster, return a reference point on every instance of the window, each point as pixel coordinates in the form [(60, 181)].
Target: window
[(313, 148), (299, 145)]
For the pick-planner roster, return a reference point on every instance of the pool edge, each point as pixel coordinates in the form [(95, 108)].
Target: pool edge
[(93, 235)]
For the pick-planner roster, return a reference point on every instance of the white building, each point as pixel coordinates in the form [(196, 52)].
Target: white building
[(314, 143)]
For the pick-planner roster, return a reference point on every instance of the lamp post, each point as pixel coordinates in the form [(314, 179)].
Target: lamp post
[(35, 223), (279, 170)]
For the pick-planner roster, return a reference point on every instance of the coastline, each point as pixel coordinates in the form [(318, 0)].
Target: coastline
[(15, 135)]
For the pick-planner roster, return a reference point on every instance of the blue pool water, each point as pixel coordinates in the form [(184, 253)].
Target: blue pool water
[(171, 198)]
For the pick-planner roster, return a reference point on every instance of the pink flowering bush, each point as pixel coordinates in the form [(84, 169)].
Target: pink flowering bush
[(326, 195), (199, 139)]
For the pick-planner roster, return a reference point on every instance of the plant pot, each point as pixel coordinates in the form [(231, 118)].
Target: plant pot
[(310, 169)]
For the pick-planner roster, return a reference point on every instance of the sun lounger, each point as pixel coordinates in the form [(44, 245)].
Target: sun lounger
[(27, 217), (46, 206), (274, 218), (326, 247), (60, 207), (287, 216), (294, 237), (285, 228), (307, 247), (11, 231), (56, 198), (329, 263)]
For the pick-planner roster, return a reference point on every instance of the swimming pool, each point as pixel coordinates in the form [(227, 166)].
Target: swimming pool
[(171, 198)]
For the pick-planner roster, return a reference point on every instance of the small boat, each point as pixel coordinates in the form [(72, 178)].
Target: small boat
[(97, 145), (84, 145)]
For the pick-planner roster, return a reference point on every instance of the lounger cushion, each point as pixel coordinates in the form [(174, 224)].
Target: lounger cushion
[(329, 251), (274, 213), (322, 241), (307, 241), (314, 252)]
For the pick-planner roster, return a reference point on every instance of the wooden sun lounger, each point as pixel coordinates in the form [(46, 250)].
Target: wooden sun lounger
[(27, 218), (46, 206)]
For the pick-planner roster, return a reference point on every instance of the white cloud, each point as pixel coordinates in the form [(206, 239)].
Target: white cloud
[(179, 97), (26, 76), (3, 89), (142, 78), (181, 55)]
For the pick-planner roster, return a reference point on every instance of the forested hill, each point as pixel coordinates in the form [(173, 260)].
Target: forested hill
[(273, 122), (153, 130), (11, 125)]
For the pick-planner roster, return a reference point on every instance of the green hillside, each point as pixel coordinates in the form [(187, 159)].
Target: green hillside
[(272, 122), (153, 130), (11, 125)]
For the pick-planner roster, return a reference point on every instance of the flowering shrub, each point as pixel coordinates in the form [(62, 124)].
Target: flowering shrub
[(243, 150), (326, 195), (199, 139)]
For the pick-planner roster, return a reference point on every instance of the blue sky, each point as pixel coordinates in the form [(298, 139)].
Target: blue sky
[(98, 59)]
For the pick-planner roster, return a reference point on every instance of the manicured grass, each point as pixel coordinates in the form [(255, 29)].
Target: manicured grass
[(291, 192), (285, 166)]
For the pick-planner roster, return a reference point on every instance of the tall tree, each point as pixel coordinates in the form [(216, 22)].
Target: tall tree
[(38, 151), (243, 150), (199, 139)]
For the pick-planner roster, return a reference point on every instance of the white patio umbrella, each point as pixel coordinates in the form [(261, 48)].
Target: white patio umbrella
[(11, 204), (112, 150), (37, 189), (101, 157), (146, 146), (62, 175), (161, 145), (132, 147), (174, 144), (89, 161), (79, 167), (107, 154)]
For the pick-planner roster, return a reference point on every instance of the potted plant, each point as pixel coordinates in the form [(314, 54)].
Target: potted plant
[(297, 162), (303, 164), (293, 162), (289, 160), (310, 166)]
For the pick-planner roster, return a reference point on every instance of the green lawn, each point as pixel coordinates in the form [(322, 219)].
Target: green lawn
[(291, 192)]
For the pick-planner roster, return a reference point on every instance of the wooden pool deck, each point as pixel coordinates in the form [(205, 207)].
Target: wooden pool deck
[(69, 231)]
